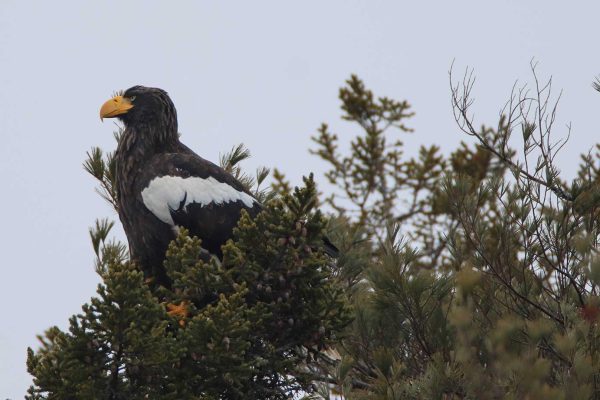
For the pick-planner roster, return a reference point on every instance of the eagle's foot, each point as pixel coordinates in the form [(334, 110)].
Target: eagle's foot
[(179, 310)]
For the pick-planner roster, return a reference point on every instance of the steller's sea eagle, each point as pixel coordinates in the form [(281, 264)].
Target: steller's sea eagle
[(163, 185)]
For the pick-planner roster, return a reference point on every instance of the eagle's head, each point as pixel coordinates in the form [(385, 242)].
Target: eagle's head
[(142, 106)]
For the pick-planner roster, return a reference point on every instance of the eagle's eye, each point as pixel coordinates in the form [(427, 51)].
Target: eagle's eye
[(132, 98)]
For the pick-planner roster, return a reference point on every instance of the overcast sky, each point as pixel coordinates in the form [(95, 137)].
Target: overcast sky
[(265, 73)]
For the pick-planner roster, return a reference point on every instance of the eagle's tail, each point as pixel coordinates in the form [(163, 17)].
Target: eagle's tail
[(330, 248)]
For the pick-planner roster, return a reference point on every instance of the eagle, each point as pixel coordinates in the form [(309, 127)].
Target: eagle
[(163, 186)]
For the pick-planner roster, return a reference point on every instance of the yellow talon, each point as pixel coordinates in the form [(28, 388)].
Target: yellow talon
[(179, 310)]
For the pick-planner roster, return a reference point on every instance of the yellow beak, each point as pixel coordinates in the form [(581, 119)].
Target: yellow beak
[(116, 106)]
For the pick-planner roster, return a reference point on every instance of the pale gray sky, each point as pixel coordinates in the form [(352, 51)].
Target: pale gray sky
[(265, 73)]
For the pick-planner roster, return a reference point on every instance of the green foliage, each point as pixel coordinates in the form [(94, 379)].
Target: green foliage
[(376, 185), (230, 162), (124, 332), (102, 167), (472, 276)]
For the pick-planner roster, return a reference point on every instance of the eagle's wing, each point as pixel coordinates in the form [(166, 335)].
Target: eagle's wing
[(185, 190)]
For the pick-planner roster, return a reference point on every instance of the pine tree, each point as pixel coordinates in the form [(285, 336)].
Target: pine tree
[(257, 319), (472, 276)]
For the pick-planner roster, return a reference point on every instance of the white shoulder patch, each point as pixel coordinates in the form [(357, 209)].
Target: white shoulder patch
[(166, 193)]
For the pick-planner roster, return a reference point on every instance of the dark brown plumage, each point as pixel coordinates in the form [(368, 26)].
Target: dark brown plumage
[(150, 155), (163, 185)]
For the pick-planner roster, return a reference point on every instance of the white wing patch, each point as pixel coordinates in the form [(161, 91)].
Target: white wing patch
[(166, 193)]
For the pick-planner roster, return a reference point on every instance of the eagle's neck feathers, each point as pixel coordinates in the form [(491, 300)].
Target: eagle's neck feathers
[(138, 144)]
